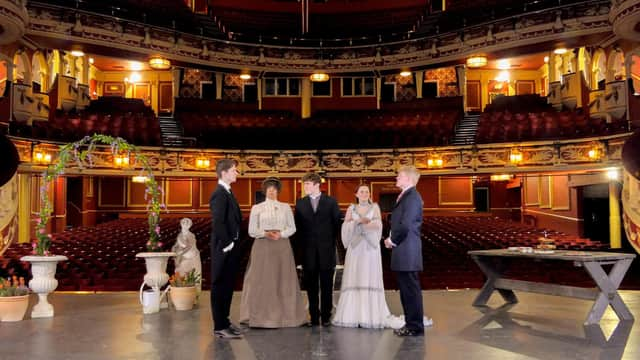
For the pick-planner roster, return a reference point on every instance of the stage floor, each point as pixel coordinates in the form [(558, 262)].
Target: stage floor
[(112, 326)]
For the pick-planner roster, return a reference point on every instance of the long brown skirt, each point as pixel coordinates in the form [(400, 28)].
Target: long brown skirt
[(271, 295)]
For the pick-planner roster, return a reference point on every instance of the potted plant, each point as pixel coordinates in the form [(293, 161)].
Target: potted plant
[(14, 299), (183, 289)]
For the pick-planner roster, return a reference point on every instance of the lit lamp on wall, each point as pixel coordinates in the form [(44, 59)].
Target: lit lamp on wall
[(515, 157), (159, 63), (202, 163), (477, 61), (140, 179), (41, 157), (121, 160), (245, 75), (435, 162), (319, 76), (595, 153), (501, 177)]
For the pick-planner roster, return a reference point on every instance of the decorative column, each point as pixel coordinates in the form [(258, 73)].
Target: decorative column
[(24, 208), (219, 82), (305, 97), (378, 91), (615, 236), (461, 76), (419, 82)]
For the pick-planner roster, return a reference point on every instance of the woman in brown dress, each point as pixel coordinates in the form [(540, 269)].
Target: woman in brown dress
[(271, 295)]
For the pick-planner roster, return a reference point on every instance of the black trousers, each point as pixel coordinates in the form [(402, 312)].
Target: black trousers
[(325, 278), (222, 287), (411, 298)]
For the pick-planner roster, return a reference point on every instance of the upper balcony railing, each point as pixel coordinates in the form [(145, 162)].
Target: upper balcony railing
[(430, 27)]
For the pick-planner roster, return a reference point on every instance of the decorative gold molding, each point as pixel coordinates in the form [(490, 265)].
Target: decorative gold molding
[(124, 196), (551, 197), (167, 192), (440, 202), (541, 203), (541, 156)]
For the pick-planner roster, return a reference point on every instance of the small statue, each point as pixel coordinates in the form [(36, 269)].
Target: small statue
[(187, 254)]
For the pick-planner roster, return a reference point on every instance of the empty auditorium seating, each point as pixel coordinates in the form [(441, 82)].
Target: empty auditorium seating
[(524, 118), (103, 257)]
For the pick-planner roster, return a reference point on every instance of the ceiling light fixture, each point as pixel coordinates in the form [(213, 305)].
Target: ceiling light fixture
[(159, 63), (405, 73), (477, 61), (560, 51), (319, 76)]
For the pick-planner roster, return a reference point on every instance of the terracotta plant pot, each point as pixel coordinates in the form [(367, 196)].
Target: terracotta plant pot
[(183, 298), (13, 308)]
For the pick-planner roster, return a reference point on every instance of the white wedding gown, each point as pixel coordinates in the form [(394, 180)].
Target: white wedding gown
[(362, 302)]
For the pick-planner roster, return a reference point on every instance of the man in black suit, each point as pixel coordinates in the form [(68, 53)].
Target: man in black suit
[(317, 218), (406, 256), (225, 253)]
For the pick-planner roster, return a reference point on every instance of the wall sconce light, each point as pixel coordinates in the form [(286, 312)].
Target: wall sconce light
[(202, 163), (245, 75), (613, 174), (560, 51), (405, 73), (159, 63), (41, 157), (319, 76), (140, 179), (595, 153), (501, 177), (121, 160), (435, 162), (515, 157), (477, 61)]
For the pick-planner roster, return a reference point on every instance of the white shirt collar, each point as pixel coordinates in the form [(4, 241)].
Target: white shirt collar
[(315, 196), (224, 185)]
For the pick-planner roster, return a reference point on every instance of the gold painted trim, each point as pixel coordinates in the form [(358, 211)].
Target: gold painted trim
[(90, 187), (541, 205), (190, 193), (162, 200), (526, 186), (440, 202), (124, 196), (551, 191)]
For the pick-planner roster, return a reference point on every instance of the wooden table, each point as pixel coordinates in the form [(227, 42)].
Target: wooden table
[(605, 294)]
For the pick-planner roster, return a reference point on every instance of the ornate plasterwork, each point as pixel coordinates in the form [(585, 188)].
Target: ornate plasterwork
[(109, 32), (536, 156), (625, 16), (13, 20)]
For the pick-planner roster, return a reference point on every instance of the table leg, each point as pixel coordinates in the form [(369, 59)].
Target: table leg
[(492, 275), (608, 285)]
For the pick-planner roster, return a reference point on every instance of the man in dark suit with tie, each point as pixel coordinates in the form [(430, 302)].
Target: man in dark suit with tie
[(317, 218), (225, 253), (406, 256)]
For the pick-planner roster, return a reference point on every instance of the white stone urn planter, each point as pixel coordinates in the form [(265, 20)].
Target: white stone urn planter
[(13, 308), (155, 278), (43, 269), (183, 297)]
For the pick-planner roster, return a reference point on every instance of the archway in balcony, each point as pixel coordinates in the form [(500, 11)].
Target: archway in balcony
[(39, 73), (599, 70), (22, 68)]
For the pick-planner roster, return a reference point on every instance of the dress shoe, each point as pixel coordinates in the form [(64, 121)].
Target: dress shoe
[(312, 324), (326, 323), (227, 334), (237, 329), (408, 332)]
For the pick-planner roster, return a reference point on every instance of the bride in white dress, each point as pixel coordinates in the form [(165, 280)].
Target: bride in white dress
[(362, 302)]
